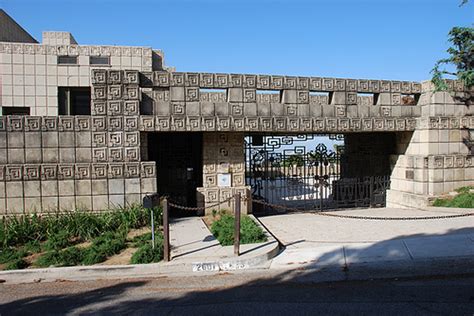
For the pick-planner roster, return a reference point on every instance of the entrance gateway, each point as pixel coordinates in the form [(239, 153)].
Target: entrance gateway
[(307, 172)]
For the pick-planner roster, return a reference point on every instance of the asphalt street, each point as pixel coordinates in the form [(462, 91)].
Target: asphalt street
[(251, 293)]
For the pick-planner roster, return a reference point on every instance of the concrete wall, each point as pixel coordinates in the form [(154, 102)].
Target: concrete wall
[(31, 74), (223, 154), (438, 157)]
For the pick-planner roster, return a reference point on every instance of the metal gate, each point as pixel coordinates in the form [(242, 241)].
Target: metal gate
[(295, 173)]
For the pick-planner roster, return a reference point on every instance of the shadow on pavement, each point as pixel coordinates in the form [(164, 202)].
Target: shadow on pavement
[(297, 291)]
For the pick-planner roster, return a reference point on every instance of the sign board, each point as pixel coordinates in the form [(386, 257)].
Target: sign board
[(224, 180)]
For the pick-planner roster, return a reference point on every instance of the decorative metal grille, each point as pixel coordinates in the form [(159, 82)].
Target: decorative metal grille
[(284, 171)]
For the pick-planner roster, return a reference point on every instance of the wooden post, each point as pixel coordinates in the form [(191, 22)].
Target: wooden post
[(237, 225), (166, 231)]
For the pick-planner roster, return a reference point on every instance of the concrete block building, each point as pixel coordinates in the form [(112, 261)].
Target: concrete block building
[(95, 127)]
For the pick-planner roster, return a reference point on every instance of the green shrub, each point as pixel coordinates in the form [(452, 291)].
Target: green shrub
[(58, 241), (71, 256), (81, 225), (11, 254), (464, 199), (17, 264), (106, 245), (147, 254), (33, 246), (250, 232)]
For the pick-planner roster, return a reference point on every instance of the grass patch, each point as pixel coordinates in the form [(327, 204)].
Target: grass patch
[(77, 225), (57, 234), (464, 199), (71, 256), (146, 254), (250, 232), (17, 264), (104, 246)]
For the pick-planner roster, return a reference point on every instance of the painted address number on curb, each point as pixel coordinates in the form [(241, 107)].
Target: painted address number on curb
[(214, 266)]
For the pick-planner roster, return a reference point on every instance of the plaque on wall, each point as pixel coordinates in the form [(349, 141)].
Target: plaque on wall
[(224, 180)]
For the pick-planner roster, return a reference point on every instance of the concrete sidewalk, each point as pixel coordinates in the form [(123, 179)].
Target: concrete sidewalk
[(313, 242)]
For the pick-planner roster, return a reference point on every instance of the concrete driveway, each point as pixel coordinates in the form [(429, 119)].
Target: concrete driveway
[(315, 241)]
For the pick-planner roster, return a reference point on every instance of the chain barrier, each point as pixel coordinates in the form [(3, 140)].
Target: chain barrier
[(386, 218), (202, 208)]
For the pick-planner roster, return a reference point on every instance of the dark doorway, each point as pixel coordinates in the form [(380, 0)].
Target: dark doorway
[(178, 159)]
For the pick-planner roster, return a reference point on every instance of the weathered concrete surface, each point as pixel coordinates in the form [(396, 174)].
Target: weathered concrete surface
[(315, 242)]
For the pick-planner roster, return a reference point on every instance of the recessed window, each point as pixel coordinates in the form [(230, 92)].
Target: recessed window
[(99, 60), (15, 110), (67, 60), (74, 101)]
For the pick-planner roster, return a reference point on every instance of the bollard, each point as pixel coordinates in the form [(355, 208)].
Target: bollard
[(152, 229), (237, 225), (166, 230)]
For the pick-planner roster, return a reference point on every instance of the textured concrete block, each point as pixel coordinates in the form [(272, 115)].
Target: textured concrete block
[(116, 200), (83, 154), (33, 139), (132, 185), (277, 109), (83, 187), (50, 139), (14, 189), (67, 155), (289, 96), (66, 188), (148, 185), (221, 108), (83, 139), (250, 109), (16, 139), (33, 155), (83, 202), (49, 188), (100, 202), (207, 109), (177, 94), (193, 108), (131, 199), (15, 205), (116, 186), (50, 155), (235, 94), (50, 203), (3, 156), (67, 203), (33, 204), (32, 188), (263, 109), (99, 186), (66, 139)]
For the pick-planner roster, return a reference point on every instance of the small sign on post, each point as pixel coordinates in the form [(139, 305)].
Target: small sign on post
[(149, 202), (237, 225)]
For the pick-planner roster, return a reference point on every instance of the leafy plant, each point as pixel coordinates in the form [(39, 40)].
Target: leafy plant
[(250, 232), (465, 199), (58, 241), (11, 254), (17, 264), (147, 254), (106, 245), (71, 256), (461, 56)]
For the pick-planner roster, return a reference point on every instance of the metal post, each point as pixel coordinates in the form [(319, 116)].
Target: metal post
[(152, 229), (237, 225), (166, 231)]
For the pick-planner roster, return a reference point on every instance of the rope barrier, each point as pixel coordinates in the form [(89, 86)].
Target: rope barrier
[(385, 218), (202, 208)]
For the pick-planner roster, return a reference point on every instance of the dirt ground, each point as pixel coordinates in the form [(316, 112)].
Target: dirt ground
[(121, 258)]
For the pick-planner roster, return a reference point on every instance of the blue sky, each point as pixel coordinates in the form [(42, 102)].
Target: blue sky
[(380, 39)]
